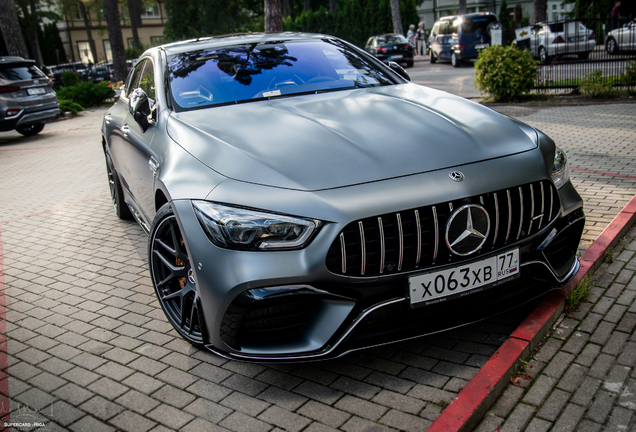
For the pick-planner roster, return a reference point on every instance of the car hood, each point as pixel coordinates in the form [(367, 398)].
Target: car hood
[(330, 140)]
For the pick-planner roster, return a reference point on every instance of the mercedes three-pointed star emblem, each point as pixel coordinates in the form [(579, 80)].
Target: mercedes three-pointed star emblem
[(467, 229)]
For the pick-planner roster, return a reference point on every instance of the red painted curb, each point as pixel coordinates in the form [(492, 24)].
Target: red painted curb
[(470, 405)]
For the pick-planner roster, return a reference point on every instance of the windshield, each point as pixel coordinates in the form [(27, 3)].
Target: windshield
[(478, 24), (270, 69)]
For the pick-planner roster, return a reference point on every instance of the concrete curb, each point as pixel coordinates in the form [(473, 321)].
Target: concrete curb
[(470, 405)]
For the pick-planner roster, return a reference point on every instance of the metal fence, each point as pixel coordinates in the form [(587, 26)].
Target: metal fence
[(572, 50)]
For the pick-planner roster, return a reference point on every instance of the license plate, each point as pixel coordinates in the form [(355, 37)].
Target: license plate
[(35, 91), (481, 46), (395, 57), (439, 286)]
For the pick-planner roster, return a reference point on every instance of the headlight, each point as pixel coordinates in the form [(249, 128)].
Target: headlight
[(560, 171), (238, 228)]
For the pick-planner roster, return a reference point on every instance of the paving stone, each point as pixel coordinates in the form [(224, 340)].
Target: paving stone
[(616, 378), (431, 394), (356, 388), (588, 355), (361, 407), (424, 377), (558, 365), (540, 389), (101, 408), (575, 343), (572, 378), (323, 413), (519, 418), (318, 392), (173, 396), (88, 423), (359, 424), (245, 404), (73, 394), (552, 407), (507, 401), (239, 422), (210, 411), (403, 421), (132, 422), (284, 419), (569, 419), (107, 388), (399, 402), (208, 390), (601, 406), (169, 416), (137, 402)]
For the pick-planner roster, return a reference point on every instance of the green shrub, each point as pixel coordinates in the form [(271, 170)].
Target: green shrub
[(87, 94), (595, 85), (67, 105), (505, 73), (628, 78), (70, 78)]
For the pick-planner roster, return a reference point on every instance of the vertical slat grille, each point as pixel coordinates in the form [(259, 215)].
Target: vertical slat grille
[(412, 239)]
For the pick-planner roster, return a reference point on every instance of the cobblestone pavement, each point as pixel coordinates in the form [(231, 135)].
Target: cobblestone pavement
[(583, 378), (88, 347)]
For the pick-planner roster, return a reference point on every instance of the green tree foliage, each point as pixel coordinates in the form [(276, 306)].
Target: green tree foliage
[(50, 41), (505, 72), (504, 19), (198, 18)]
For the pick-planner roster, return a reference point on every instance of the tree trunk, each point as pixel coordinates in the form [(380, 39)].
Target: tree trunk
[(397, 18), (111, 11), (11, 32), (273, 18), (134, 10), (286, 8), (332, 6), (87, 25), (306, 5), (30, 24), (540, 11), (462, 7)]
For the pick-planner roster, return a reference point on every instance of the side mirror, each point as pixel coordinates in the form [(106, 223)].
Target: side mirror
[(139, 107), (399, 70)]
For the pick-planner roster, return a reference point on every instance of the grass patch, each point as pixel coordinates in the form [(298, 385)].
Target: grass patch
[(579, 293)]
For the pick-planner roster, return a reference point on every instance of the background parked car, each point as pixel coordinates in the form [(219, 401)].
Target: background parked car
[(622, 39), (103, 71), (27, 99), (391, 47), (546, 40), (460, 37), (56, 72)]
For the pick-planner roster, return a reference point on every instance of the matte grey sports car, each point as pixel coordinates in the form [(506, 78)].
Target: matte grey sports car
[(303, 200)]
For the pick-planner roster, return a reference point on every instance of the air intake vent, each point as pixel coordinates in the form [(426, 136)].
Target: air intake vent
[(415, 238)]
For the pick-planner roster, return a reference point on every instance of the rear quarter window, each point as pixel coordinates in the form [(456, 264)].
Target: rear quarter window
[(20, 72)]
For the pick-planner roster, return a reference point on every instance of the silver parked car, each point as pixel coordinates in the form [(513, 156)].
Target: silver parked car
[(27, 99), (622, 39), (303, 200), (548, 40)]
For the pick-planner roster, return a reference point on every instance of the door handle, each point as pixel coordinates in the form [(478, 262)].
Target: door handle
[(125, 129), (153, 164)]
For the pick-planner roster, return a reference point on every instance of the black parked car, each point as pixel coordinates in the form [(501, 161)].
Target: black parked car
[(391, 47), (103, 71), (56, 72), (27, 99)]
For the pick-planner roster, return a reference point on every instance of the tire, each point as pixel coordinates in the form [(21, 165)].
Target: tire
[(172, 277), (433, 58), (116, 192), (583, 55), (543, 55), (611, 47), (455, 61), (31, 130), (409, 64)]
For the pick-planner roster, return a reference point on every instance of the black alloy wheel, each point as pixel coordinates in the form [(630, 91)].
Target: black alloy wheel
[(116, 193), (31, 130), (172, 277)]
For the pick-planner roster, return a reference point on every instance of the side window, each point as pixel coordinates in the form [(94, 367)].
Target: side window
[(135, 76), (443, 28), (435, 29), (370, 42), (147, 81)]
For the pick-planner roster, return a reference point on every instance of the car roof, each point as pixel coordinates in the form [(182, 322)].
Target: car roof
[(14, 59), (234, 39), (467, 15)]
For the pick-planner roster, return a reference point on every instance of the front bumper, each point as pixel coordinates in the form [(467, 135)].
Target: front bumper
[(288, 306)]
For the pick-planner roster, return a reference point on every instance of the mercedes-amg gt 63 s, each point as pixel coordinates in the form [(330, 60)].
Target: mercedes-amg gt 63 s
[(303, 199)]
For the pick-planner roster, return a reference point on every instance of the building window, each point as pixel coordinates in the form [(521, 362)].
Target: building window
[(151, 12), (85, 53), (131, 42), (108, 51), (553, 7), (156, 40)]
